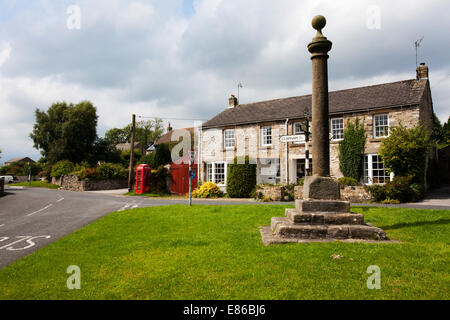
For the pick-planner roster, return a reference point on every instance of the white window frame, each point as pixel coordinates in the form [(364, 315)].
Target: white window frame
[(211, 173), (368, 172), (334, 130), (375, 126), (265, 135), (227, 140)]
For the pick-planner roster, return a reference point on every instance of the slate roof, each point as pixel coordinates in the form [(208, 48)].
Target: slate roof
[(396, 94), (167, 138)]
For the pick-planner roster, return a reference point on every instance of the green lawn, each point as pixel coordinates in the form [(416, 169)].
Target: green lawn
[(36, 184), (215, 252)]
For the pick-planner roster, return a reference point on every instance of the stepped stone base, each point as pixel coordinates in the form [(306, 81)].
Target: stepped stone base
[(321, 220)]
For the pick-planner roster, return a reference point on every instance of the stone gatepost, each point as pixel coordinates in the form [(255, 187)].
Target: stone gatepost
[(321, 215)]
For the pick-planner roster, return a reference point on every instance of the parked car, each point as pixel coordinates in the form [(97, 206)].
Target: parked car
[(8, 179)]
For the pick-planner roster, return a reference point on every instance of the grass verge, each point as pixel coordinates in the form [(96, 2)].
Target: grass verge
[(215, 252), (36, 184)]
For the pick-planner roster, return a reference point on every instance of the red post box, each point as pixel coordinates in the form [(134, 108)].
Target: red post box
[(143, 174)]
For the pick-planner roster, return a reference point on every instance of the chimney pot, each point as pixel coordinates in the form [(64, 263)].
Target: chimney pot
[(233, 101), (422, 72)]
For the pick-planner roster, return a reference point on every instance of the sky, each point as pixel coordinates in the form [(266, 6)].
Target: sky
[(182, 59)]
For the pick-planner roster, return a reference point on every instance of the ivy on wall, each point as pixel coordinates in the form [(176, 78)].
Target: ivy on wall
[(351, 150)]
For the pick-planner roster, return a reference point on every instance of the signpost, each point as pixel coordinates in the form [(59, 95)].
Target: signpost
[(191, 175), (301, 138)]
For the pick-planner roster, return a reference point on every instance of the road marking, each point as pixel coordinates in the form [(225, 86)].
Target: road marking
[(2, 225), (127, 205), (60, 198), (29, 215), (28, 239)]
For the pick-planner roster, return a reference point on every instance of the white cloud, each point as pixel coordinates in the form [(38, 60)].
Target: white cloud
[(146, 57), (5, 52)]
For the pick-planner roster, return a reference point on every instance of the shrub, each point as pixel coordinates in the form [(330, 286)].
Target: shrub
[(158, 180), (400, 189), (62, 168), (346, 181), (241, 178), (404, 152), (378, 192), (148, 159), (389, 201), (88, 174), (111, 171), (301, 182), (207, 190), (162, 155), (351, 150)]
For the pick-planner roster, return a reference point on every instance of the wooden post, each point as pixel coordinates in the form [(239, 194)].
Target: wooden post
[(131, 171)]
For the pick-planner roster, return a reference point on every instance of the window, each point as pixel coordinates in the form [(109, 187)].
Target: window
[(298, 128), (266, 136), (228, 139), (219, 173), (216, 172), (374, 172), (270, 170), (337, 128), (380, 125)]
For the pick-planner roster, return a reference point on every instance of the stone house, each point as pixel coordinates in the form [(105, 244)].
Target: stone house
[(255, 129)]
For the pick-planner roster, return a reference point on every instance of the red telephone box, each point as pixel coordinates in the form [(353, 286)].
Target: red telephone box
[(143, 174)]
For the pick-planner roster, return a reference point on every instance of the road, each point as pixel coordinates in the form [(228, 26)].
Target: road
[(31, 218)]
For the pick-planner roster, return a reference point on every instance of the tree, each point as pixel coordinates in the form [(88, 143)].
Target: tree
[(116, 136), (351, 150), (66, 131), (162, 155), (147, 132), (404, 152)]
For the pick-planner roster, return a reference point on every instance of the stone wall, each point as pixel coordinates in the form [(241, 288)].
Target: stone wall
[(275, 193), (356, 194), (73, 183)]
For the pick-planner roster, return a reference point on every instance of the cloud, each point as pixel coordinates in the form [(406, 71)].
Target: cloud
[(183, 58)]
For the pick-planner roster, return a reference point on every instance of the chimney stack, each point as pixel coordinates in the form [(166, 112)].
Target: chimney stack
[(422, 72), (233, 101)]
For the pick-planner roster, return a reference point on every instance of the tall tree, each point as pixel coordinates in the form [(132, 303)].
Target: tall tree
[(66, 131), (147, 132)]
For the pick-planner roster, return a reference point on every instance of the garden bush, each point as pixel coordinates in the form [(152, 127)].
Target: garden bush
[(401, 189), (112, 171), (346, 181), (62, 168), (241, 178), (404, 152), (158, 180), (207, 190)]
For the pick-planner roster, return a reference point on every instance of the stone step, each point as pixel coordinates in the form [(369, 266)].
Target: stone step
[(331, 206), (299, 217), (287, 229)]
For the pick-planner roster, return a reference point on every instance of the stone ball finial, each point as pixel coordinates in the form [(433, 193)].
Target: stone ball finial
[(319, 22)]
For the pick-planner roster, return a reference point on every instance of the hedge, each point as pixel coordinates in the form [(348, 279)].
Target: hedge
[(241, 178)]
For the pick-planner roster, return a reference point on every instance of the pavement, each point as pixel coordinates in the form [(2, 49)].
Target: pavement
[(31, 218)]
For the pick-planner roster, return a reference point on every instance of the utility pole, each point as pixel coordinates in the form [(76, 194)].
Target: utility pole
[(130, 174), (29, 173)]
